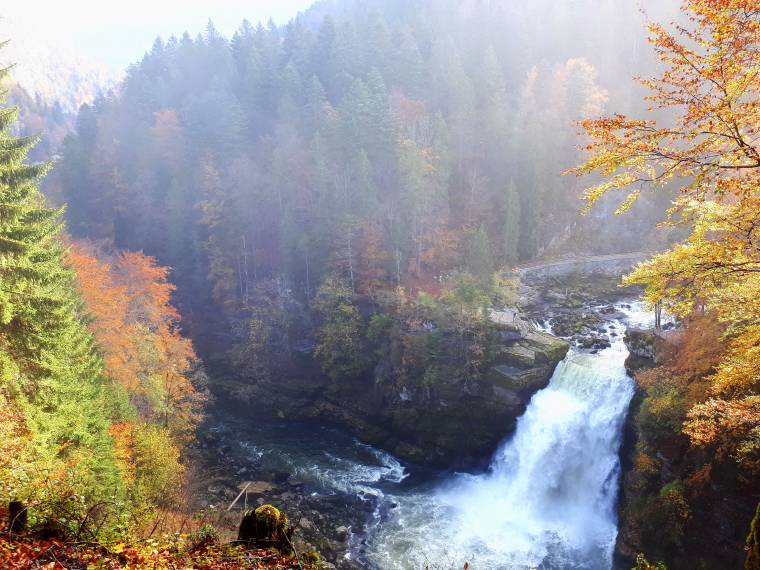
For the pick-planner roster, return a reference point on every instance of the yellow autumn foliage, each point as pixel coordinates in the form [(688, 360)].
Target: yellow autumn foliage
[(711, 148)]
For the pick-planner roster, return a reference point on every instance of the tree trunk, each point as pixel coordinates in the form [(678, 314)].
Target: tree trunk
[(17, 516)]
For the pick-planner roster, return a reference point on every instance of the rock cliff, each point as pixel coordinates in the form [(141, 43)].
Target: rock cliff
[(449, 422)]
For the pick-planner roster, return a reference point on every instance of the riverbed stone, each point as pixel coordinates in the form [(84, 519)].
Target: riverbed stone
[(341, 533)]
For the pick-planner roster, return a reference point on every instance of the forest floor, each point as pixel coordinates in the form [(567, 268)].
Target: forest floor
[(172, 552), (176, 551)]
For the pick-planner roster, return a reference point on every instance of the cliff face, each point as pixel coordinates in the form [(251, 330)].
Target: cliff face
[(447, 422), (678, 503)]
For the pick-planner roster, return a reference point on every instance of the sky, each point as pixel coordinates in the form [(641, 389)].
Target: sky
[(118, 32)]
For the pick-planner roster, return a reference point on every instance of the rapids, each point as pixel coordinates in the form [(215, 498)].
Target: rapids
[(547, 501)]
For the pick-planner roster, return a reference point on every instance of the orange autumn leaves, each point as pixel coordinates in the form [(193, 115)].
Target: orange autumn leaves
[(163, 553), (128, 297)]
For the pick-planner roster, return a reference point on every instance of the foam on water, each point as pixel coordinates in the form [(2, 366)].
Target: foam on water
[(543, 326), (549, 497), (352, 475)]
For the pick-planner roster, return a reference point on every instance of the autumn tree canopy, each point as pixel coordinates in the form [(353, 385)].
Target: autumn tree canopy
[(709, 144), (134, 322)]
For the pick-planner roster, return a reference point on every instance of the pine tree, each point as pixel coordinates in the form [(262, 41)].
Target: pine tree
[(510, 224), (56, 378), (479, 257)]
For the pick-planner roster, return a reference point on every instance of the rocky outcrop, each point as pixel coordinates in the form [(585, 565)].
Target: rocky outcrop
[(449, 422), (647, 348), (453, 423)]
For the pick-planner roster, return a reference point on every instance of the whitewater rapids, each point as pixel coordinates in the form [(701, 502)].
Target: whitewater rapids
[(548, 500)]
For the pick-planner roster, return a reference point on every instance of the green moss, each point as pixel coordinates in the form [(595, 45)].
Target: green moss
[(267, 527), (271, 516), (548, 348)]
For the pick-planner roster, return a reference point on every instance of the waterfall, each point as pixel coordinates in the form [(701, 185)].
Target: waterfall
[(547, 501)]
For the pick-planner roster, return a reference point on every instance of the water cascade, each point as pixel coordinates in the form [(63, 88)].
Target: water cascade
[(548, 499)]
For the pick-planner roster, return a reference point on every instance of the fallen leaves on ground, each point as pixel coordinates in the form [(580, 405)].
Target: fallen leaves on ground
[(173, 552)]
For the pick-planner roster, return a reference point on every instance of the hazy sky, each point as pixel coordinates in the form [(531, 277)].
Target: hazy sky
[(118, 32)]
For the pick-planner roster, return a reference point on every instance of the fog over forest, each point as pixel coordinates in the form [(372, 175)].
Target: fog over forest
[(399, 284)]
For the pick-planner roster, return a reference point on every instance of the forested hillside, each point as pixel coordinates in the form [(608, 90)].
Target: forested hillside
[(46, 120), (49, 70), (96, 393), (366, 268), (389, 145)]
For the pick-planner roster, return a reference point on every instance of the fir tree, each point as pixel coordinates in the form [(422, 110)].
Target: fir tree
[(56, 378), (511, 223), (479, 257)]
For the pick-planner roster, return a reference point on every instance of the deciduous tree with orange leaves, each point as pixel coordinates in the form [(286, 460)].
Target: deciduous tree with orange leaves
[(134, 322), (710, 145)]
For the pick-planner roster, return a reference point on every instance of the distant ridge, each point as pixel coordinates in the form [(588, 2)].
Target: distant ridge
[(52, 71)]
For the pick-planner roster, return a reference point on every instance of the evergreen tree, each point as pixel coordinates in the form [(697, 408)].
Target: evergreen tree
[(55, 374), (511, 224), (479, 256)]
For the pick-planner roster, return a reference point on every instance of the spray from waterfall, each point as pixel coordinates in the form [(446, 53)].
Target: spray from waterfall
[(549, 497)]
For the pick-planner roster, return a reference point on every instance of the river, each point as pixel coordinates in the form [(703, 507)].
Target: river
[(548, 499)]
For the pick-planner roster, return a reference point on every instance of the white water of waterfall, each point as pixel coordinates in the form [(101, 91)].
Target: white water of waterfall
[(548, 500)]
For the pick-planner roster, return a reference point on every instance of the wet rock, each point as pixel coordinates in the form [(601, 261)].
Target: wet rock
[(341, 533), (601, 342), (306, 524), (595, 342), (280, 477)]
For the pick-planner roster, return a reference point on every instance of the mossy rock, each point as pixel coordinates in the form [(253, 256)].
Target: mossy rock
[(266, 527), (519, 379), (517, 355), (548, 349)]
